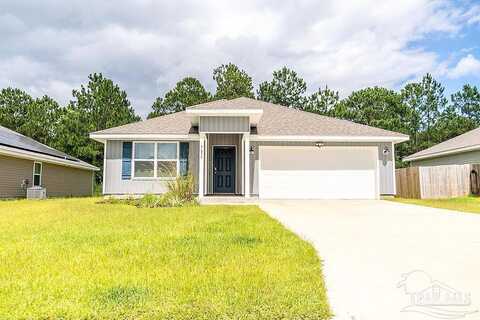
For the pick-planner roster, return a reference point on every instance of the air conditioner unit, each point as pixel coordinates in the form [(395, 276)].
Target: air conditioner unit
[(36, 193)]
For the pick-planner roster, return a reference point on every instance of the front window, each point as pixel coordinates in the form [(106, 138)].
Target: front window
[(155, 159), (37, 174)]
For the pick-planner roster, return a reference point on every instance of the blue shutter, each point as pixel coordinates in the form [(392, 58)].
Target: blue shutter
[(183, 158), (126, 160)]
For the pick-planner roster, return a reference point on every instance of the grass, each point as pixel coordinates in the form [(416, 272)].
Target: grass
[(76, 259), (465, 204)]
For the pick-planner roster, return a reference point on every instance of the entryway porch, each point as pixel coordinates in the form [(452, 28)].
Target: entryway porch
[(223, 161)]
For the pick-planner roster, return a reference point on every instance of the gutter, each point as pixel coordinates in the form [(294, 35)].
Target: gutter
[(331, 138), (196, 137), (143, 136)]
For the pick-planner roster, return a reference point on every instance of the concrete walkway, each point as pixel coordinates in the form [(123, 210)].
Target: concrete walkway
[(369, 247)]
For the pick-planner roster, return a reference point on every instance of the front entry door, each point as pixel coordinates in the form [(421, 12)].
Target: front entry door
[(223, 169)]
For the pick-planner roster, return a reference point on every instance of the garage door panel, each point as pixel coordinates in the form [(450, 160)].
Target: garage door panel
[(313, 158), (313, 173), (275, 186)]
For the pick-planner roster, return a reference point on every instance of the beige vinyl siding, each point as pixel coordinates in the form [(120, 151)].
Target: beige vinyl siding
[(113, 172), (59, 181), (387, 178), (224, 124), (459, 158), (12, 172), (225, 139)]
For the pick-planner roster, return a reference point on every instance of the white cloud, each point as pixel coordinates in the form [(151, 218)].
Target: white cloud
[(473, 14), (467, 66), (147, 46)]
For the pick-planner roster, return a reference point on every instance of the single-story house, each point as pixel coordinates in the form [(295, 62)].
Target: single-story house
[(463, 149), (26, 164), (249, 147)]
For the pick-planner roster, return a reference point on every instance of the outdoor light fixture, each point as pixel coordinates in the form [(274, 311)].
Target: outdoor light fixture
[(386, 151), (319, 144), (251, 150)]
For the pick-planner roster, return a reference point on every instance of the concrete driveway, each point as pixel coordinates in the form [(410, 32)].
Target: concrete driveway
[(369, 247)]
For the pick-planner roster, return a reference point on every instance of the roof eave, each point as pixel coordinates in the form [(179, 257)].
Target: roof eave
[(24, 154), (413, 157), (102, 137), (147, 136), (394, 139)]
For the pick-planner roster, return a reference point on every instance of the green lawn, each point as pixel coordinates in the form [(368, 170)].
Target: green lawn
[(466, 204), (75, 259)]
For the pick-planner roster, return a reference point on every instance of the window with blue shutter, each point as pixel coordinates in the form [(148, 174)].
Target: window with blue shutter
[(183, 158), (127, 160)]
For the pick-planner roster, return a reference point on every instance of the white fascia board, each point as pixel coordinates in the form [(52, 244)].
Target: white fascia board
[(442, 153), (143, 136), (330, 138), (224, 112), (24, 154)]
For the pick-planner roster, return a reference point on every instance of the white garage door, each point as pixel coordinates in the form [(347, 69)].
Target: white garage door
[(318, 173)]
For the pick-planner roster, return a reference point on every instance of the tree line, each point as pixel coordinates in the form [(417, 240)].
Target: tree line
[(420, 109)]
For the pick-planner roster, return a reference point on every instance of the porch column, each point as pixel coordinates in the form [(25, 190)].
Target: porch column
[(242, 157), (246, 154), (201, 165)]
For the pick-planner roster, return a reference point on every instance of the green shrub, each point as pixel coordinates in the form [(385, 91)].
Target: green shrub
[(97, 190), (113, 200), (179, 194), (150, 201), (181, 189)]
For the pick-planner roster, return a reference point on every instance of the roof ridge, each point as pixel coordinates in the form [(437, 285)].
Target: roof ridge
[(207, 102)]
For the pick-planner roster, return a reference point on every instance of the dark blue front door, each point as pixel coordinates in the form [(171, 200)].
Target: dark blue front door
[(223, 169)]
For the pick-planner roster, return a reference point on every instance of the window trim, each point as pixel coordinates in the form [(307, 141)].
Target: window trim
[(155, 160), (37, 174)]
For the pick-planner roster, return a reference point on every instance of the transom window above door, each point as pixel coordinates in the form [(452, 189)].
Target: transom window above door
[(155, 160)]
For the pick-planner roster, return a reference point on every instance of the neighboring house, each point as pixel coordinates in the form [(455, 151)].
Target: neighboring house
[(463, 149), (26, 163), (249, 147)]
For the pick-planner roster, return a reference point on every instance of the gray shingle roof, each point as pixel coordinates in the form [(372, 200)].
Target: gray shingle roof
[(276, 120), (12, 139), (233, 104), (175, 123), (466, 140)]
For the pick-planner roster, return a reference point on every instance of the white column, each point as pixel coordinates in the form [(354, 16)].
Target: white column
[(243, 165), (247, 165), (201, 165), (105, 167), (205, 165), (392, 151)]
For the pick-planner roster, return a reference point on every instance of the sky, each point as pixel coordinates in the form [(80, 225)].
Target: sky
[(146, 46)]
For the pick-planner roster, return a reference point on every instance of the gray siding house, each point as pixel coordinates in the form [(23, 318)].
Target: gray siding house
[(463, 149), (247, 147), (26, 163)]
